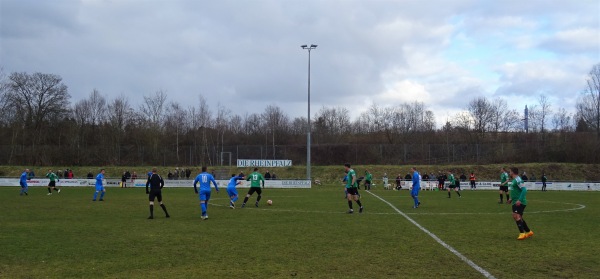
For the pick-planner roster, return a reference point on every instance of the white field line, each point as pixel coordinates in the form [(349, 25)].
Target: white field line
[(436, 238)]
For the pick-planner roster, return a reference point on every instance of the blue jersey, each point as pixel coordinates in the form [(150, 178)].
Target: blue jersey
[(205, 179), (149, 174), (233, 181), (416, 180), (99, 179), (23, 178)]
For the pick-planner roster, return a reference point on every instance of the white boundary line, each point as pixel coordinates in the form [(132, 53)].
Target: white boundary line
[(441, 242)]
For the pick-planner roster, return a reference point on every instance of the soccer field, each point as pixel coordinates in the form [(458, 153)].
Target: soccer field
[(305, 234)]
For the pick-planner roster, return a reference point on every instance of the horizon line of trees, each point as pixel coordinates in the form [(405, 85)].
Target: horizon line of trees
[(40, 126)]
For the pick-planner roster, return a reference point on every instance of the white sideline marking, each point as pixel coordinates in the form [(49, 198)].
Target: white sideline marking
[(441, 242)]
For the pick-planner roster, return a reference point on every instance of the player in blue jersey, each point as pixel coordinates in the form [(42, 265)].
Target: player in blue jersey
[(232, 191), (416, 187), (23, 182), (204, 179), (99, 186)]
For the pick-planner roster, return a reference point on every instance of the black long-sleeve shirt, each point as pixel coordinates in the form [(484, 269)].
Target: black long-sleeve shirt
[(155, 181)]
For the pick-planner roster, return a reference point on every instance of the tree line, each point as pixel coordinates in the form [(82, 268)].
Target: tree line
[(40, 125)]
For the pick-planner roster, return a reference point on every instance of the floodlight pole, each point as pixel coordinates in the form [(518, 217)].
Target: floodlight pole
[(308, 177)]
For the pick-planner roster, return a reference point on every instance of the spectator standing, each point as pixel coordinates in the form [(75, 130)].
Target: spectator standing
[(124, 180), (398, 182), (60, 174), (274, 177), (267, 175), (544, 180), (70, 175), (408, 177), (188, 172), (133, 177), (170, 175), (472, 179), (31, 174), (463, 177), (66, 174), (524, 177), (90, 175), (533, 179), (441, 180)]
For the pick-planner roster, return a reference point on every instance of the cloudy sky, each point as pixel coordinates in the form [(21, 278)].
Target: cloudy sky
[(246, 55)]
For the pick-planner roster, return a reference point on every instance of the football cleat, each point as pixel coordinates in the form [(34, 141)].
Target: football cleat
[(59, 191), (522, 236), (529, 234), (350, 211), (49, 194), (151, 217), (360, 210)]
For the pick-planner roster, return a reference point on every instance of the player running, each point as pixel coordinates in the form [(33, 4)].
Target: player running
[(416, 187), (232, 191), (205, 179), (518, 192), (352, 189), (255, 179), (23, 182), (156, 184), (100, 186), (504, 185), (452, 184), (52, 184)]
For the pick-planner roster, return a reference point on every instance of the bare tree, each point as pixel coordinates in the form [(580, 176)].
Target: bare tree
[(153, 108), (563, 121), (119, 113), (97, 106), (544, 112), (36, 98), (482, 114), (588, 105)]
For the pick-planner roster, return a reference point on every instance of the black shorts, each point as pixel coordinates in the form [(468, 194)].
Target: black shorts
[(52, 184), (504, 189), (451, 186), (518, 209), (258, 190), (155, 194), (352, 191)]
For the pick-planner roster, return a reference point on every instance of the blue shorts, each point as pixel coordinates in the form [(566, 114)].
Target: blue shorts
[(415, 191), (232, 191), (99, 188), (23, 184), (204, 195)]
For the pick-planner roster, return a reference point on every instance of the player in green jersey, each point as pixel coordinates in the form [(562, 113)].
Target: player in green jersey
[(368, 180), (255, 179), (518, 192), (504, 185), (52, 184), (352, 189), (452, 184)]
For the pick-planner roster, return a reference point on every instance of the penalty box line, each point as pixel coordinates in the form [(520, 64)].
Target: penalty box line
[(436, 238)]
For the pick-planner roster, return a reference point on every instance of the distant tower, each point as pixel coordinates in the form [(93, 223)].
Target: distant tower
[(526, 119)]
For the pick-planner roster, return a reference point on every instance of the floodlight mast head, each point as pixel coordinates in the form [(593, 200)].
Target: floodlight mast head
[(313, 46), (303, 46)]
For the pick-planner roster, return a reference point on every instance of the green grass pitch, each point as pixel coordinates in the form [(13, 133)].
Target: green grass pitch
[(305, 234)]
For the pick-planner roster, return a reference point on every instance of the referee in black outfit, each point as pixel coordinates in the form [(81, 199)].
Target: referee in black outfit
[(156, 183)]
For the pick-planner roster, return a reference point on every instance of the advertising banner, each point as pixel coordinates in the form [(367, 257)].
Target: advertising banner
[(246, 163)]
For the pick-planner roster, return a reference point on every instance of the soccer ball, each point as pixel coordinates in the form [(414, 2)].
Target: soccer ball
[(270, 202)]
